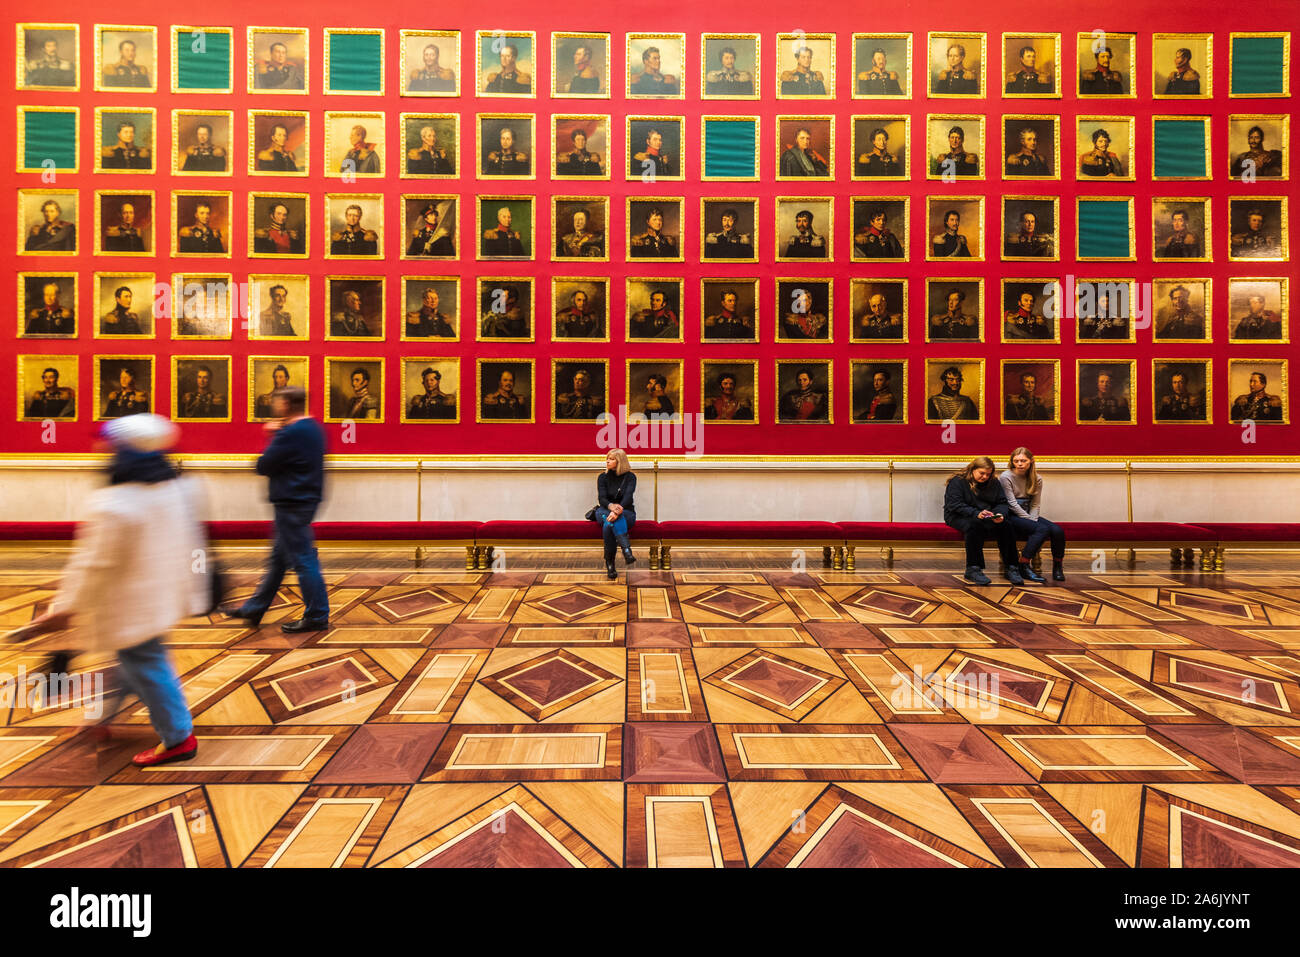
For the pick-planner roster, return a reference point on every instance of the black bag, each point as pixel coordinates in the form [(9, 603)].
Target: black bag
[(591, 513)]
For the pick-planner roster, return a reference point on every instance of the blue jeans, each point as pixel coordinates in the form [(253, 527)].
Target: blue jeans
[(147, 672), (294, 548), (620, 526), (1037, 531)]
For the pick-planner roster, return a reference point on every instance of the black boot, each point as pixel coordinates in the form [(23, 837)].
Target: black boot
[(975, 575), (1058, 571), (609, 559), (1028, 574), (626, 548)]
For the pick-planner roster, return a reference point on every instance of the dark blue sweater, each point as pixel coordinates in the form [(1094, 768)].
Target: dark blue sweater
[(295, 464), (617, 488)]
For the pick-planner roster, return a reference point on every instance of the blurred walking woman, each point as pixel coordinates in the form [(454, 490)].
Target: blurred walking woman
[(975, 505), (1023, 487), (616, 513)]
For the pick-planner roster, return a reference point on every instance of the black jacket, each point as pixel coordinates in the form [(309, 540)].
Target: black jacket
[(961, 503), (611, 489), (295, 464)]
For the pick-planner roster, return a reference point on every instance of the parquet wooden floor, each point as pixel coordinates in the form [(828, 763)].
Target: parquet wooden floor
[(733, 712)]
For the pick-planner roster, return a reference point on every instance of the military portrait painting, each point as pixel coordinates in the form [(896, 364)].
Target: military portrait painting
[(354, 144), (47, 388), (805, 147), (954, 390), (1105, 64), (654, 65), (1258, 228), (654, 310), (277, 60), (579, 389), (201, 142), (729, 310), (47, 308), (505, 227), (1258, 391), (1182, 310), (355, 389), (124, 223), (654, 389), (1031, 392), (654, 228), (265, 375), (1181, 391), (1258, 310), (430, 307), (431, 390), (355, 306), (654, 148), (581, 227), (430, 62), (1103, 147), (1029, 228), (954, 310), (729, 391), (49, 56), (201, 388), (430, 227), (878, 309), (505, 146), (199, 305), (1258, 146), (804, 392), (803, 310), (123, 385), (727, 229), (506, 64), (880, 147), (1106, 392), (580, 64), (354, 226), (805, 65), (201, 224), (1031, 64), (1180, 228), (579, 147), (882, 65), (955, 146), (505, 390), (505, 308), (429, 144), (126, 59), (1103, 310), (47, 221), (277, 142), (804, 228), (279, 307), (731, 66), (955, 63), (1030, 310), (1181, 65), (956, 227), (1030, 147), (580, 309), (125, 140), (879, 392), (879, 228)]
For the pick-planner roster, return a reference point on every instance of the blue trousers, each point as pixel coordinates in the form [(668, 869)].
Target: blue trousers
[(1037, 531), (294, 548), (620, 526), (148, 673)]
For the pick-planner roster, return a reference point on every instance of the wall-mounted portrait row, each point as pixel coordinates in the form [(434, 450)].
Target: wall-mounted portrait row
[(506, 63), (429, 389)]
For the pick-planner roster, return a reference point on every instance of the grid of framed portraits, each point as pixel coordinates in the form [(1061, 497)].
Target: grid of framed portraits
[(727, 241)]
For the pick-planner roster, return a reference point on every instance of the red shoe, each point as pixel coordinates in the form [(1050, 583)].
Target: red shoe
[(182, 752)]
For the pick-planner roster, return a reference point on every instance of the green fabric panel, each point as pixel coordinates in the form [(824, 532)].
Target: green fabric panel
[(1180, 148), (209, 70), (355, 63), (1257, 65), (50, 136), (730, 148), (1103, 230)]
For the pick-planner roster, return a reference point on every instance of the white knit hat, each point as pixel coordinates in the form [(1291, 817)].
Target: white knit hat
[(143, 432)]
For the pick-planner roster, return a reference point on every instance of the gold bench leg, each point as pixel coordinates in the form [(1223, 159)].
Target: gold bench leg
[(837, 557), (471, 559), (826, 556), (484, 556), (849, 563), (1218, 558), (665, 557), (419, 555), (1207, 558), (654, 557), (1175, 556), (887, 555)]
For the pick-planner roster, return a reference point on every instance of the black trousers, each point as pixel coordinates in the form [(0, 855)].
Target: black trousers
[(1037, 531), (982, 529)]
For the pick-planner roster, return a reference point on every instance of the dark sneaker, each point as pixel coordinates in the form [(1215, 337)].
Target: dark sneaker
[(301, 624), (1013, 576), (975, 575), (1058, 572)]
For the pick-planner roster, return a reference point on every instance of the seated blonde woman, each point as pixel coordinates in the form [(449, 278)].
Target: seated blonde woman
[(616, 513)]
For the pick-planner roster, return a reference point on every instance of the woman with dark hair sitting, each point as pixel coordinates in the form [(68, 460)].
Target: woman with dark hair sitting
[(616, 513), (1023, 487), (975, 505)]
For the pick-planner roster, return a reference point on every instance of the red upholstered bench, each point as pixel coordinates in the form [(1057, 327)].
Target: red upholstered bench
[(570, 534), (37, 533), (1258, 534), (827, 536), (359, 534)]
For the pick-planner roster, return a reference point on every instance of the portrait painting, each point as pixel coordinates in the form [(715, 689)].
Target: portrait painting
[(803, 228), (506, 63), (654, 148), (805, 147), (1258, 310), (1257, 228), (729, 310), (654, 310), (579, 147), (354, 144), (956, 227), (430, 227), (505, 390), (201, 224), (1104, 146), (1030, 145), (505, 308), (1029, 225), (430, 142), (805, 65), (879, 391), (1258, 146), (729, 391), (731, 63), (954, 146), (355, 389), (1181, 65), (1107, 391), (123, 386), (202, 142), (125, 140), (49, 56), (955, 310), (581, 226), (879, 310), (268, 373), (579, 389), (47, 221), (1030, 310), (1182, 310), (880, 147), (279, 307), (48, 307), (47, 388), (882, 65), (1181, 391), (200, 305), (356, 307), (580, 64), (505, 227), (879, 228), (1031, 392), (277, 60), (1106, 63), (804, 392), (653, 390), (126, 59), (430, 62), (654, 65), (278, 143), (654, 227), (580, 306), (1103, 310), (728, 229), (954, 390), (803, 310), (201, 388), (956, 63), (431, 390), (1180, 228), (354, 223), (505, 146), (124, 223), (1031, 65), (431, 306), (1258, 391)]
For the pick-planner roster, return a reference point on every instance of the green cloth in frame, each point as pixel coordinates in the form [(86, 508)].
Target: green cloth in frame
[(356, 62), (49, 136), (1179, 148), (1104, 229), (1258, 65), (208, 69), (730, 148)]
